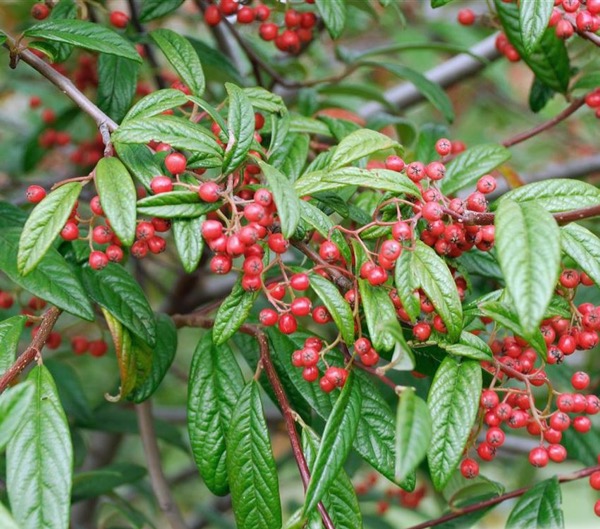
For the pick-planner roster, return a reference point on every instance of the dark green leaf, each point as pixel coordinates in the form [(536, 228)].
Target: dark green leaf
[(439, 3), (94, 483), (540, 506), (152, 9), (470, 346), (240, 128), (583, 247), (584, 448), (43, 225), (453, 403), (14, 404), (189, 243), (217, 66), (250, 465), (429, 134), (10, 333), (232, 313), (40, 460), (539, 95), (140, 161), (156, 103), (117, 80), (406, 284), (70, 390), (86, 35), (533, 22), (360, 144), (175, 204), (337, 306), (11, 216), (484, 264), (528, 244), (333, 13), (290, 158)]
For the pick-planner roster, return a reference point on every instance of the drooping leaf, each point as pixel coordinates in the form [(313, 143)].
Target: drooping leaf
[(528, 244), (250, 465), (44, 224), (40, 460), (14, 404), (189, 243), (176, 204), (152, 9), (94, 483), (10, 333), (380, 316), (533, 22), (240, 128), (156, 103), (117, 80), (358, 145), (583, 247), (406, 284), (232, 313), (540, 506), (469, 346), (333, 13), (453, 402)]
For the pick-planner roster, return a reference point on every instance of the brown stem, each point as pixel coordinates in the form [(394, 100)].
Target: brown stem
[(338, 278), (585, 472), (33, 351)]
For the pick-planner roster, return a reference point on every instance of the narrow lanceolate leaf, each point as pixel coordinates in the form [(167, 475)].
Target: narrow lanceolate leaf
[(406, 285), (52, 280), (453, 403), (528, 244), (560, 194), (434, 277), (533, 21), (285, 197), (340, 499), (337, 306), (40, 460), (470, 165), (117, 79), (176, 205), (581, 245), (114, 289), (333, 13), (14, 404), (358, 145), (188, 242), (156, 103), (232, 313), (240, 128), (469, 346), (44, 224), (338, 437), (250, 465), (125, 354), (380, 315), (84, 35), (214, 389), (540, 506), (10, 333), (413, 432), (152, 9), (118, 197), (182, 56)]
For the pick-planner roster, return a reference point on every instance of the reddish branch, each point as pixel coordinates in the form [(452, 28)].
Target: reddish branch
[(583, 473), (338, 278), (33, 351)]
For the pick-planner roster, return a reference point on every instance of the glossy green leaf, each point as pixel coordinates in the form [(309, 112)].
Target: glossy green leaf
[(469, 346), (337, 440), (232, 313), (114, 289), (182, 56), (189, 243), (14, 403), (528, 245), (556, 195), (250, 465), (581, 245), (533, 22), (86, 35), (140, 161), (40, 460), (214, 389), (118, 197), (285, 198), (453, 403), (52, 280), (484, 264), (539, 95), (540, 506), (360, 144), (125, 352), (10, 334), (175, 204), (240, 128), (406, 284), (413, 433), (433, 276), (44, 224), (291, 157), (152, 9), (264, 100), (117, 81), (469, 166), (94, 483), (380, 315), (156, 103), (333, 13), (217, 66)]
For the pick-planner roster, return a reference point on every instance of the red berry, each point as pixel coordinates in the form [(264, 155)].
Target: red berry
[(40, 11), (245, 15), (139, 249), (560, 421), (495, 436), (489, 399), (292, 18), (597, 508), (582, 424), (144, 231), (98, 348), (268, 31), (157, 244), (262, 12), (221, 264), (35, 194), (299, 282), (362, 346), (370, 359), (422, 331), (6, 300), (228, 7), (595, 480), (161, 225), (486, 184), (209, 192), (212, 15), (96, 207), (119, 19), (552, 436), (569, 278), (54, 340), (114, 253), (432, 211), (175, 163), (394, 163), (288, 41), (70, 232), (486, 452), (476, 202), (557, 453), (564, 29), (98, 260), (310, 373), (466, 17), (287, 324), (277, 243), (321, 315), (415, 171), (443, 146), (251, 283), (580, 380), (268, 317), (310, 357), (276, 290), (390, 249), (301, 306), (102, 234), (401, 231), (329, 251), (326, 385), (253, 266), (211, 229), (435, 170), (79, 344), (377, 276), (538, 457), (161, 184), (469, 468)]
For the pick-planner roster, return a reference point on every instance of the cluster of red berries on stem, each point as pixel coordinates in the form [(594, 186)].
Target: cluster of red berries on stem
[(408, 500)]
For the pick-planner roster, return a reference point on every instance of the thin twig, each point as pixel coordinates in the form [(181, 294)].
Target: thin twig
[(338, 278)]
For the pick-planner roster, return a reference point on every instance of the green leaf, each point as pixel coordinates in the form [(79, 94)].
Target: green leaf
[(540, 506), (114, 289), (14, 403), (117, 80), (528, 245), (556, 195), (40, 460), (453, 403), (429, 134), (480, 263), (324, 180), (43, 225), (548, 59), (118, 197), (152, 9), (413, 433), (52, 280), (11, 216), (534, 16), (214, 389), (240, 128), (156, 103), (250, 465), (140, 161), (338, 437), (337, 306), (162, 356), (264, 100), (10, 333), (84, 35), (583, 247), (189, 243), (217, 66), (433, 276), (2, 38), (470, 165), (439, 3), (290, 158), (380, 315), (406, 284), (94, 483), (285, 198), (232, 313), (70, 390), (470, 346), (433, 92), (175, 204), (539, 95), (182, 56), (588, 81), (6, 519), (360, 144), (584, 448), (333, 13)]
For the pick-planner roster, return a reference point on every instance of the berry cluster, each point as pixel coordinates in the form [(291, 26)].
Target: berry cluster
[(81, 345), (408, 500)]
